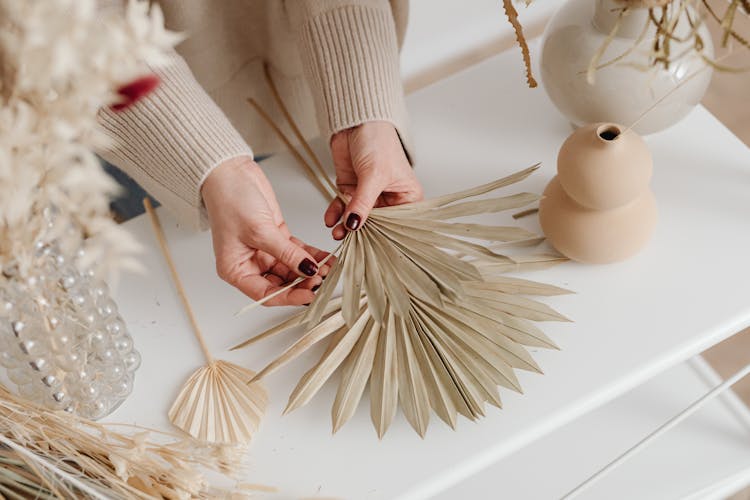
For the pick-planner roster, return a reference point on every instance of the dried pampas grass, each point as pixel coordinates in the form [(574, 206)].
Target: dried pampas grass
[(49, 455), (60, 64), (425, 316), (216, 404)]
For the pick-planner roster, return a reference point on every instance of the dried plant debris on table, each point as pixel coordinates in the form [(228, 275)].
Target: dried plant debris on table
[(49, 455), (426, 315)]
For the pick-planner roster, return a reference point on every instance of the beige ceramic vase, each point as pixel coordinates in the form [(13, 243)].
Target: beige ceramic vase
[(599, 208)]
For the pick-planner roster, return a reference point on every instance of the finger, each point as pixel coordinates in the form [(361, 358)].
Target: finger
[(270, 195), (339, 232), (256, 287), (364, 198), (292, 297), (300, 297), (274, 242), (283, 272), (400, 198), (319, 255), (281, 275), (275, 279), (334, 212), (311, 283)]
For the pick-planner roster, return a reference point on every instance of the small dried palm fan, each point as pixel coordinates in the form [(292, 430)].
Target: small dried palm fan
[(216, 404), (425, 316)]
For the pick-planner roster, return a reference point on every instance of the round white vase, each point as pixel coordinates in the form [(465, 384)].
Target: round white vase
[(622, 91)]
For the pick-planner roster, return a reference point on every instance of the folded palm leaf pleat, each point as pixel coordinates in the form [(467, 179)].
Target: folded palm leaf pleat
[(426, 316)]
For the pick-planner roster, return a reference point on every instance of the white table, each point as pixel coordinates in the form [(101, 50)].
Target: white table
[(685, 292)]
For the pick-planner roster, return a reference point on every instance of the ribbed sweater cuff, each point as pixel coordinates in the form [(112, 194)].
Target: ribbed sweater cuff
[(351, 59), (171, 140)]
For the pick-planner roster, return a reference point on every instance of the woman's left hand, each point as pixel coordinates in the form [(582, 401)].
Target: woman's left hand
[(372, 168)]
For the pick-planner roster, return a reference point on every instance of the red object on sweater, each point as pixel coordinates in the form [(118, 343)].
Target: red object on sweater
[(134, 91)]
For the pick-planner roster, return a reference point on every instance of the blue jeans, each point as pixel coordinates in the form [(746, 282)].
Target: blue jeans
[(129, 203)]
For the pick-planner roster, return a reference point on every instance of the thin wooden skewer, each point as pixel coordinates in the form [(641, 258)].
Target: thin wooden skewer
[(525, 213), (296, 130), (176, 277), (297, 156)]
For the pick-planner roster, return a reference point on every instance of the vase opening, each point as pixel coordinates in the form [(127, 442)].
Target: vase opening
[(609, 132)]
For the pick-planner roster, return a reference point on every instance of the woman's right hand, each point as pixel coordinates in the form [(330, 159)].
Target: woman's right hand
[(255, 252)]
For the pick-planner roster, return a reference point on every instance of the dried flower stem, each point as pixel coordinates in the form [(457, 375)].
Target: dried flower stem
[(525, 213), (590, 73), (47, 454), (512, 15), (664, 16), (324, 190), (295, 129), (743, 41)]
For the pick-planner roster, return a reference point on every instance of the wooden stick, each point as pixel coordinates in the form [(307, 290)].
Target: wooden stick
[(296, 130), (159, 231), (297, 156), (525, 213)]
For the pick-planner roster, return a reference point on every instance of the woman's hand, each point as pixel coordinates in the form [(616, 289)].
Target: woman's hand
[(372, 168), (254, 249)]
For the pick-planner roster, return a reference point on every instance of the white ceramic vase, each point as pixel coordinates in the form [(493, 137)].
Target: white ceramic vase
[(623, 91)]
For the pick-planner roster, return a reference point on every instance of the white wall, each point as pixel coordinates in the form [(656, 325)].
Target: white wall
[(441, 30)]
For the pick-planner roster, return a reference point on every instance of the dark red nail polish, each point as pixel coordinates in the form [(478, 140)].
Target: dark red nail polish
[(308, 267), (353, 221), (307, 305), (315, 288)]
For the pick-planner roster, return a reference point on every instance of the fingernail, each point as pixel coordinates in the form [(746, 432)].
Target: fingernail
[(353, 221), (315, 288), (307, 305), (308, 267)]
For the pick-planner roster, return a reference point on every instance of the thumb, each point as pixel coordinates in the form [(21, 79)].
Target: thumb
[(363, 199), (275, 243)]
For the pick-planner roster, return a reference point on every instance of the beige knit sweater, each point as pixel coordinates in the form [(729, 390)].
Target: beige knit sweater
[(334, 61)]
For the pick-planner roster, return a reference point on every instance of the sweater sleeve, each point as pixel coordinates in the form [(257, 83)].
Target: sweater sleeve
[(170, 141), (350, 54)]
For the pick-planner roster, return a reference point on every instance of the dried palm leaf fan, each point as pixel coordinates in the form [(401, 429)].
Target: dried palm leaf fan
[(216, 404), (425, 315)]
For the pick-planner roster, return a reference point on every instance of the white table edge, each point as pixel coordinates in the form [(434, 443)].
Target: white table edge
[(603, 396), (732, 409)]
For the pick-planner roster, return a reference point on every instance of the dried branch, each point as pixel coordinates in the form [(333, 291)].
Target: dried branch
[(512, 15)]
